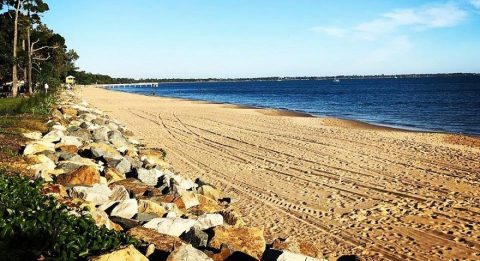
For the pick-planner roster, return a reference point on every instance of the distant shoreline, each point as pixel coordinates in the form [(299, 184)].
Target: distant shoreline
[(292, 78)]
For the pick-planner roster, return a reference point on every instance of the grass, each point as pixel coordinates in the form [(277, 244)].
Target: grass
[(39, 104)]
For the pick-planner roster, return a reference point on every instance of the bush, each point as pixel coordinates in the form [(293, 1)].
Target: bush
[(39, 104), (34, 225)]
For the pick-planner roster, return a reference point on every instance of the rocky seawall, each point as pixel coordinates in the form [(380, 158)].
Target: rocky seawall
[(91, 160)]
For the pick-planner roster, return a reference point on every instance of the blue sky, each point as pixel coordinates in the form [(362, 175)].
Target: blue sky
[(250, 38)]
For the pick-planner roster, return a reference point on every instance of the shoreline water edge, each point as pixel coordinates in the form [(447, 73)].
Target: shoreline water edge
[(293, 113)]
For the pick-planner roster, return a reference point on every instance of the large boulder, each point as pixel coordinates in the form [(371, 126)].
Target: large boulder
[(298, 246), (121, 164), (83, 176), (162, 242), (53, 136), (34, 135), (207, 221), (69, 112), (188, 253), (129, 253), (248, 240), (232, 217), (76, 162), (97, 194), (153, 158), (103, 150), (209, 192), (150, 207), (195, 236), (113, 175), (126, 209), (38, 147), (187, 200), (119, 193), (70, 140), (137, 188), (100, 134), (149, 177), (171, 226)]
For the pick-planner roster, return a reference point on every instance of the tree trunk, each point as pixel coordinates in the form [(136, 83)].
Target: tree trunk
[(15, 40), (30, 88)]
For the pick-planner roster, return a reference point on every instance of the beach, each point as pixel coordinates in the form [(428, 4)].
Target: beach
[(346, 186)]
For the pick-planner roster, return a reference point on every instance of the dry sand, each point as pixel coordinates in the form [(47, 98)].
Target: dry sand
[(348, 187)]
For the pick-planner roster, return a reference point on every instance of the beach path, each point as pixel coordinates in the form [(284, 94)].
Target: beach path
[(345, 186)]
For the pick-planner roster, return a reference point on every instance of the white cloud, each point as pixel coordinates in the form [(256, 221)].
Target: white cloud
[(395, 48), (331, 31), (420, 18), (475, 3)]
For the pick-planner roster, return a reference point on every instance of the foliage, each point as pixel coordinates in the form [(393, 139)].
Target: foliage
[(34, 225), (50, 58), (39, 104)]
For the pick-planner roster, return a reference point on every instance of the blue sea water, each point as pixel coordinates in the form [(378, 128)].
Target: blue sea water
[(446, 104)]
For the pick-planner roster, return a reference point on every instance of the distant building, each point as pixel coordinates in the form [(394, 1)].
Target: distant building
[(70, 80)]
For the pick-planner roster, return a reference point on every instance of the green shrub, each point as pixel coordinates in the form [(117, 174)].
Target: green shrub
[(34, 225), (39, 104)]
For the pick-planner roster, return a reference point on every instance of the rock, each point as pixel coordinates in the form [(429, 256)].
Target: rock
[(70, 140), (38, 147), (173, 227), (188, 253), (187, 200), (70, 112), (162, 242), (248, 240), (82, 134), (209, 192), (149, 177), (113, 175), (147, 206), (125, 223), (58, 127), (119, 193), (117, 139), (289, 256), (153, 158), (207, 221), (136, 187), (56, 190), (98, 194), (296, 246), (232, 217), (126, 209), (100, 134), (53, 136), (146, 217), (196, 237), (207, 205), (34, 135), (101, 219), (121, 164), (72, 149), (76, 162), (103, 150), (128, 253), (83, 176)]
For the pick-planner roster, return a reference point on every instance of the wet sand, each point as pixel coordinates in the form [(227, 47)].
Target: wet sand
[(348, 187)]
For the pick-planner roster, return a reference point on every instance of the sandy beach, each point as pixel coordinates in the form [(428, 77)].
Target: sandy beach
[(346, 186)]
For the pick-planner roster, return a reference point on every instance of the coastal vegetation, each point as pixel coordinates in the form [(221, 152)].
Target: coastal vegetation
[(31, 54)]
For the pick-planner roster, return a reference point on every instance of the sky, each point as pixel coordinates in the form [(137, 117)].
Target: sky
[(251, 38)]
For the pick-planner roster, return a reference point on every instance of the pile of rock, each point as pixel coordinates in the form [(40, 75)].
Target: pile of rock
[(90, 159)]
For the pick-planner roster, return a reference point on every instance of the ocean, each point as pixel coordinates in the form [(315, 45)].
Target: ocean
[(443, 104)]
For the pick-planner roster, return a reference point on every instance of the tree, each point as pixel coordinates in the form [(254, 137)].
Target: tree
[(31, 7)]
